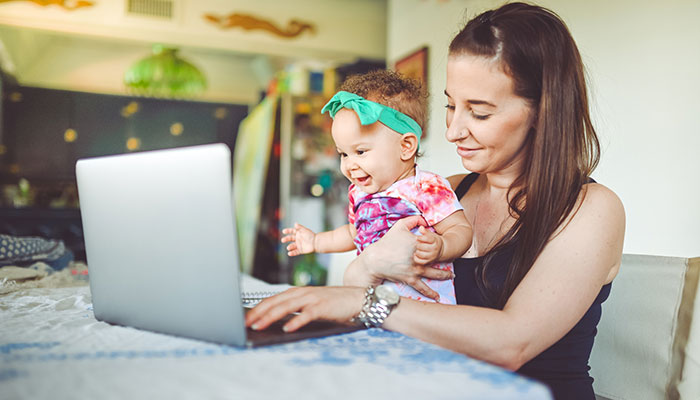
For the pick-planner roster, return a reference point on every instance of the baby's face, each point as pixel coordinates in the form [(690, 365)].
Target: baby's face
[(370, 155)]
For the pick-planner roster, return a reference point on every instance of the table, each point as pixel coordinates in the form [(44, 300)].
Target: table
[(51, 347)]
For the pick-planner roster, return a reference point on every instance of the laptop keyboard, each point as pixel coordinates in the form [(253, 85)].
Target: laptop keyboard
[(274, 334)]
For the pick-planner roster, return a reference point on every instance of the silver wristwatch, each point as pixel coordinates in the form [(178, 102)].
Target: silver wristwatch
[(379, 301)]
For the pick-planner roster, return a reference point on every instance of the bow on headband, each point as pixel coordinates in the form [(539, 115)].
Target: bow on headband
[(370, 112)]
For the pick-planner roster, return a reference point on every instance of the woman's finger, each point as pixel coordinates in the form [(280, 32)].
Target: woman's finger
[(411, 222), (273, 308), (437, 274), (281, 310), (337, 304), (298, 321), (423, 289)]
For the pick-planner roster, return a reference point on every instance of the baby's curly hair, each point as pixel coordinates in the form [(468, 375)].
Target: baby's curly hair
[(391, 89)]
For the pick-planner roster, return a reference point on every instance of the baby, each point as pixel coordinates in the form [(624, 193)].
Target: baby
[(378, 120)]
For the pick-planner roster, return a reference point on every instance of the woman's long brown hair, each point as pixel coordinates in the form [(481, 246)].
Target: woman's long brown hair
[(537, 51)]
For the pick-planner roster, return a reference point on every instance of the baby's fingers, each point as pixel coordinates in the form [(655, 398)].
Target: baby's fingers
[(428, 238), (427, 250), (287, 238), (422, 259), (425, 245)]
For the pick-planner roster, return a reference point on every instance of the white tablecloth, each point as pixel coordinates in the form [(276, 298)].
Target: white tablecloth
[(51, 347)]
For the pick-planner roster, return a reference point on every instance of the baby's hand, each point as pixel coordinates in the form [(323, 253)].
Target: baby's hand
[(428, 247), (302, 239)]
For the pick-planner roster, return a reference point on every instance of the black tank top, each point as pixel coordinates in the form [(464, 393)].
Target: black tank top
[(563, 366)]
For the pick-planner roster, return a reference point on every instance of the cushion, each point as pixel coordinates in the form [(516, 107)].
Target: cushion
[(648, 341)]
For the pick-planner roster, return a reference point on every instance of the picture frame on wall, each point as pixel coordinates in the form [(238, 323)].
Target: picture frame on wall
[(414, 65)]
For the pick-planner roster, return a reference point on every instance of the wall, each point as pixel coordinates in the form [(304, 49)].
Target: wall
[(89, 65), (335, 22), (642, 64), (89, 49)]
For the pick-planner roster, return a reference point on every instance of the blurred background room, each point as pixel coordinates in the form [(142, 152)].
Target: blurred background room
[(84, 78)]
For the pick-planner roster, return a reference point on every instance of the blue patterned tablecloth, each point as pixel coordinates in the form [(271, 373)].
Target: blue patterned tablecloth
[(51, 347)]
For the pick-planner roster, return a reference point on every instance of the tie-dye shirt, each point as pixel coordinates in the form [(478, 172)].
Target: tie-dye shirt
[(425, 194)]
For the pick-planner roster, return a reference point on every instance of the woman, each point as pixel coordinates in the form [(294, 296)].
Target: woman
[(547, 240)]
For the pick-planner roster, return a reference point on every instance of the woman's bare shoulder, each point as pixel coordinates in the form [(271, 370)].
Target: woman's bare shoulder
[(596, 228), (596, 202), (454, 180), (597, 198), (597, 214)]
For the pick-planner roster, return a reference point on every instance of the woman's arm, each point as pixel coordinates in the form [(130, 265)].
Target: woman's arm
[(559, 288)]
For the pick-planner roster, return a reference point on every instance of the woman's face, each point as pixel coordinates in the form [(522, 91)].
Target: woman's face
[(485, 119)]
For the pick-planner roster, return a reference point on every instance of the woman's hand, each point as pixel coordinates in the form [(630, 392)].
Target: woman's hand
[(338, 304), (392, 258)]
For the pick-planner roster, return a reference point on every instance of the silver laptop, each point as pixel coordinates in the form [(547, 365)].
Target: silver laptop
[(161, 246)]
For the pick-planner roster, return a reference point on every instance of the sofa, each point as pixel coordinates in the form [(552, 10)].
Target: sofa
[(648, 341)]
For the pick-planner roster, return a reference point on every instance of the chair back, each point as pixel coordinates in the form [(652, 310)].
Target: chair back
[(648, 341)]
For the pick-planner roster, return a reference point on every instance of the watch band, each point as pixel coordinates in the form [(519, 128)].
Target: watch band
[(374, 310)]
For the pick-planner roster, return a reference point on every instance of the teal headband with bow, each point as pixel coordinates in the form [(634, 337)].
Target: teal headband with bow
[(370, 112)]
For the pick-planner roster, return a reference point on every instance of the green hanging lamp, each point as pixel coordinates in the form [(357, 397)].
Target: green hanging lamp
[(164, 74)]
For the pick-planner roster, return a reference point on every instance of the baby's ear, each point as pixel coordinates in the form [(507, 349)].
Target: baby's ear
[(409, 146)]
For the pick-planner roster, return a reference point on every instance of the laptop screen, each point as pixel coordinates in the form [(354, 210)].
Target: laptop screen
[(160, 241)]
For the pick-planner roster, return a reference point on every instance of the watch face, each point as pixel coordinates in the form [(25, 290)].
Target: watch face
[(387, 294)]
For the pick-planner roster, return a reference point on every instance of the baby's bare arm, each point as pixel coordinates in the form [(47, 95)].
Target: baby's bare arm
[(453, 238), (338, 240), (456, 234)]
